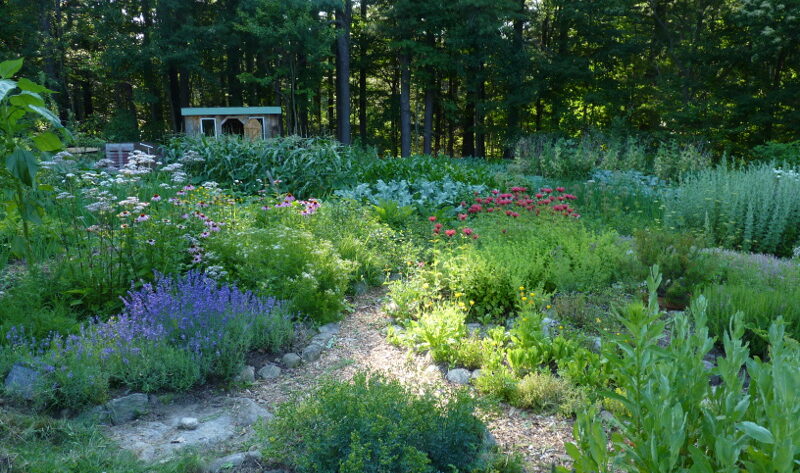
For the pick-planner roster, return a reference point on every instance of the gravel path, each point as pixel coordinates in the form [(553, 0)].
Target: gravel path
[(361, 345)]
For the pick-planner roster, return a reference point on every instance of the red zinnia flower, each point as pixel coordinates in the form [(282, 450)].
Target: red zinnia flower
[(432, 218), (449, 232), (560, 189)]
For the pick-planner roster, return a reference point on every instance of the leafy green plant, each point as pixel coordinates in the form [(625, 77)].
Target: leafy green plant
[(684, 265), (374, 424), (541, 391), (760, 307), (673, 420), (289, 263), (756, 208), (22, 141)]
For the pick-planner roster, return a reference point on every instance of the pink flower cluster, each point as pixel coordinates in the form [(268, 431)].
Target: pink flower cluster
[(518, 200), (513, 204), (310, 206)]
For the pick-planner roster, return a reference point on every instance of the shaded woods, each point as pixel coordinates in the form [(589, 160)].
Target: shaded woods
[(461, 77)]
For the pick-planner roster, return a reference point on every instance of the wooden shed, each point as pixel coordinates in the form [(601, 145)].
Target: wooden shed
[(252, 122)]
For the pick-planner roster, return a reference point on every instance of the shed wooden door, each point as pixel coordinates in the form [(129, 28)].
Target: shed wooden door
[(253, 129)]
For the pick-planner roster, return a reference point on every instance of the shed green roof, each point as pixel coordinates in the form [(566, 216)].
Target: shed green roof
[(194, 111)]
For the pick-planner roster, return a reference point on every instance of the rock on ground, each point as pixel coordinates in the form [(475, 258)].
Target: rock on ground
[(459, 376), (291, 360), (127, 408), (312, 352), (21, 381), (231, 461), (247, 375), (222, 423), (269, 371)]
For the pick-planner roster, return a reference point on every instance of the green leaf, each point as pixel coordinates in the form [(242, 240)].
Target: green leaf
[(48, 141), (9, 68), (25, 98), (31, 86), (47, 114), (755, 431), (22, 165), (6, 86)]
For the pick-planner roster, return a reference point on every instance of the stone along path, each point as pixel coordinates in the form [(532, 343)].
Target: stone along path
[(223, 422)]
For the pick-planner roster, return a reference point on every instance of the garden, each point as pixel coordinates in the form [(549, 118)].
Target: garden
[(637, 302)]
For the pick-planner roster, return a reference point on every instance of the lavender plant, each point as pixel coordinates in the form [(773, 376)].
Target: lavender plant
[(173, 334)]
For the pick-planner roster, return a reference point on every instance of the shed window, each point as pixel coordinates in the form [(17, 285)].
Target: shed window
[(208, 126)]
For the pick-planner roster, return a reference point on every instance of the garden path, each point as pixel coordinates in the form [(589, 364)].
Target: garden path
[(361, 345)]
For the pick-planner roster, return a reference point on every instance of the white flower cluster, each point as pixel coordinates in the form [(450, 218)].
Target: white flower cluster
[(191, 157), (134, 203), (139, 163), (60, 161), (103, 200)]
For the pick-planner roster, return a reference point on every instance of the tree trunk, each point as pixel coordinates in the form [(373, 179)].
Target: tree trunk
[(405, 105), (452, 97), (515, 107), (430, 89), (428, 127), (480, 126), (174, 99), (343, 18), (362, 77), (468, 145)]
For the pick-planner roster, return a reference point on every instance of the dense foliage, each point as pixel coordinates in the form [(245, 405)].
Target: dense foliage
[(465, 77), (377, 425), (173, 334)]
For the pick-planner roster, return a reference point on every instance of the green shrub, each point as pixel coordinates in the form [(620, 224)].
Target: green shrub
[(673, 420), (752, 209), (373, 424), (490, 271), (760, 307), (288, 263), (680, 257), (542, 392)]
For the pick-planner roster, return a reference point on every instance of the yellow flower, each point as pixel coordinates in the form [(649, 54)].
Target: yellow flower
[(458, 294), (533, 294), (425, 286), (524, 299), (597, 320), (549, 306), (471, 302), (522, 288), (561, 327)]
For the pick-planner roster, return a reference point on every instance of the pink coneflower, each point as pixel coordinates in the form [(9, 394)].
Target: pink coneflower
[(124, 214), (142, 218), (197, 259), (205, 235), (151, 242), (124, 226), (155, 198)]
